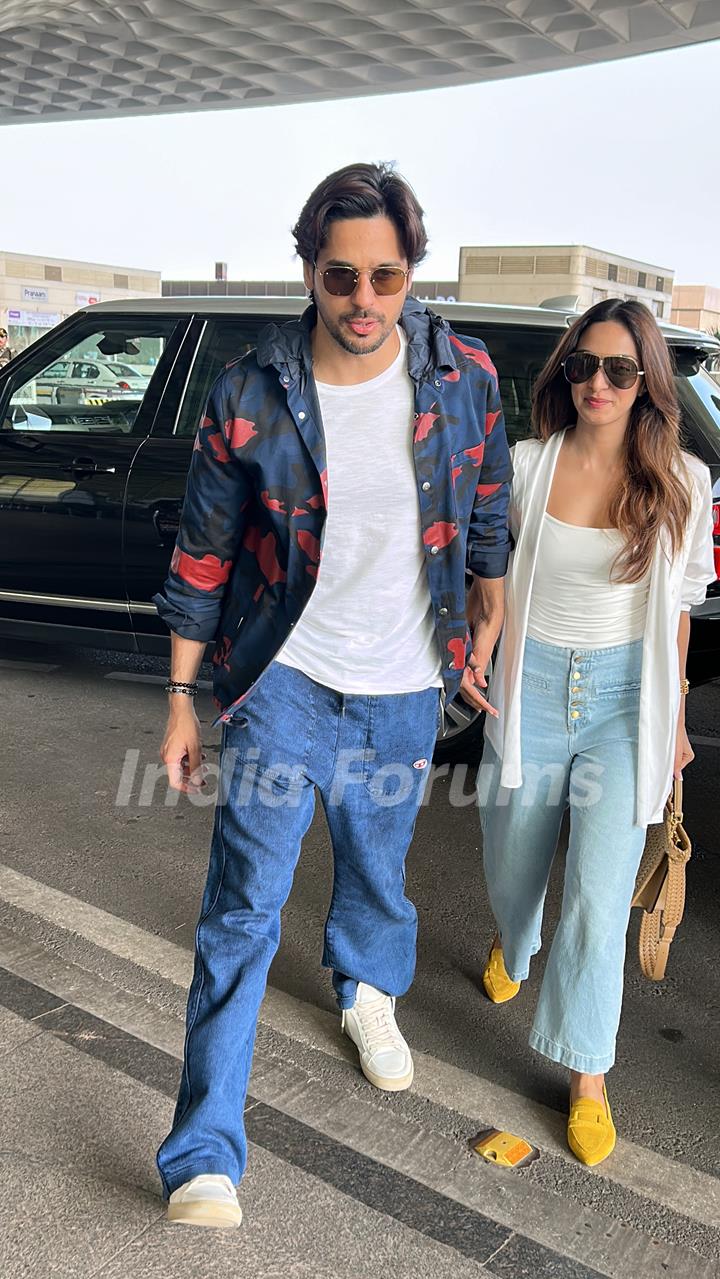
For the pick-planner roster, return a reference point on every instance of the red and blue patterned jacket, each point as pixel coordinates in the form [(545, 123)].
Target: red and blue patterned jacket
[(251, 531)]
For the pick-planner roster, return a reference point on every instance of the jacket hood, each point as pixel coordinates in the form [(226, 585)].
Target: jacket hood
[(287, 346)]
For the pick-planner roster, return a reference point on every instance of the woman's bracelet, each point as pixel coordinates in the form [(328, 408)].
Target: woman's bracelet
[(178, 686), (685, 687)]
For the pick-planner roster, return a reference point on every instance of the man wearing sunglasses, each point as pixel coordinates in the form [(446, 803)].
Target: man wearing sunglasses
[(345, 476)]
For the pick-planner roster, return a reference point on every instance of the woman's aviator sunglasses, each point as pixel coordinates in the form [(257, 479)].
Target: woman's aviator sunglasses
[(621, 370), (342, 281)]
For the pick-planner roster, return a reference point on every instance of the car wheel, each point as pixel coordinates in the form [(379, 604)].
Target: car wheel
[(460, 740), (461, 736)]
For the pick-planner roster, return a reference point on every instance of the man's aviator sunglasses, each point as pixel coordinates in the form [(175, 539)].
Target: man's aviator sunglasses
[(342, 281), (621, 370)]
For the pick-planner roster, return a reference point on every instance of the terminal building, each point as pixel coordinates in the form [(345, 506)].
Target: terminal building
[(697, 306), (571, 275), (36, 293)]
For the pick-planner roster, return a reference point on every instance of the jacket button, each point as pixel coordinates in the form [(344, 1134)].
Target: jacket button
[(438, 384), (302, 415), (443, 612), (434, 550), (426, 486)]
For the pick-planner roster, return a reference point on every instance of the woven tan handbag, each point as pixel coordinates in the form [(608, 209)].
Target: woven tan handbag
[(660, 886)]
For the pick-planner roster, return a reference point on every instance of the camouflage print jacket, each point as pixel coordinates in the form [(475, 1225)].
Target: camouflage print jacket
[(251, 532)]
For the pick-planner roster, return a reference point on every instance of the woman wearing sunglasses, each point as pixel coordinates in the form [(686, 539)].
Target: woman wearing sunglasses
[(613, 545)]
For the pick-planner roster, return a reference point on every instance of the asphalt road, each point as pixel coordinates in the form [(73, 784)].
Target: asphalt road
[(84, 813)]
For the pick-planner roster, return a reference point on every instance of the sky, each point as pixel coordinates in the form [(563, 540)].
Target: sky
[(621, 156)]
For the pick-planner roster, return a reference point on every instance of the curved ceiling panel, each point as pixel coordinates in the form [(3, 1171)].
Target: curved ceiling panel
[(90, 58)]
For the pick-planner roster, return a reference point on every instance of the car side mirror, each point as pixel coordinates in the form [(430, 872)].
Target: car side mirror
[(688, 360)]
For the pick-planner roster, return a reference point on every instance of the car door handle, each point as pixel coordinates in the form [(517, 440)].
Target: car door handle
[(167, 522), (86, 466)]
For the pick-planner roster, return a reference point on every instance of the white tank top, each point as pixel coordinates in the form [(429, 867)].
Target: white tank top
[(574, 604), (368, 626)]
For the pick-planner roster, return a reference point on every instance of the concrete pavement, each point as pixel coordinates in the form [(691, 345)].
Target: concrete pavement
[(97, 905)]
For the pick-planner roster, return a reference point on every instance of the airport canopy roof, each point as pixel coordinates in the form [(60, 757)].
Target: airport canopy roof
[(69, 59)]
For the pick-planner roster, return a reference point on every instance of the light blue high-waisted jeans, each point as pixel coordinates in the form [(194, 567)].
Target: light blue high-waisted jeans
[(580, 714)]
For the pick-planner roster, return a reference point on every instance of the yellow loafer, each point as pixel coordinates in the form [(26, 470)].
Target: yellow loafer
[(498, 986), (591, 1132)]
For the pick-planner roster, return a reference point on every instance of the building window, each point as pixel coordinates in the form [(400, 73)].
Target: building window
[(596, 268), (658, 307), (660, 284), (121, 282), (642, 280), (481, 264), (612, 271), (53, 273)]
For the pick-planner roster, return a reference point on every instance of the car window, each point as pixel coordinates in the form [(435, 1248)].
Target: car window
[(699, 396), (74, 388), (223, 341), (518, 355)]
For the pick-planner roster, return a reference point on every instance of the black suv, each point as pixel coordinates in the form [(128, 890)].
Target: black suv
[(97, 421)]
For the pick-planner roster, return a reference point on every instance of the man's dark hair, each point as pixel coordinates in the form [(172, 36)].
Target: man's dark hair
[(361, 191)]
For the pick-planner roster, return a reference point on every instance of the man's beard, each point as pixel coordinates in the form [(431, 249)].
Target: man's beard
[(355, 346)]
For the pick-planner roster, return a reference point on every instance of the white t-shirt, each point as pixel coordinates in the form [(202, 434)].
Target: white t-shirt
[(575, 603), (368, 627)]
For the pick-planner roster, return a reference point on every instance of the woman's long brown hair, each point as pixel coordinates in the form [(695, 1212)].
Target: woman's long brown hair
[(653, 494)]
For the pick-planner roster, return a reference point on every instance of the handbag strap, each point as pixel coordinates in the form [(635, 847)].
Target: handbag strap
[(676, 799), (672, 913), (677, 857)]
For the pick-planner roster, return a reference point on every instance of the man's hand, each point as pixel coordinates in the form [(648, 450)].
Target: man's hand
[(181, 751), (485, 613)]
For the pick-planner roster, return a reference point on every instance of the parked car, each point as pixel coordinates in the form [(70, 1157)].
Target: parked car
[(90, 493), (129, 378), (81, 382)]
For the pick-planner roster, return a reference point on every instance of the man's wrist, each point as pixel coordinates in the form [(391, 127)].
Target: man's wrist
[(180, 704)]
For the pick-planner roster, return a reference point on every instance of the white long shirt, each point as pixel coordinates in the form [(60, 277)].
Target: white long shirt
[(675, 584), (369, 626)]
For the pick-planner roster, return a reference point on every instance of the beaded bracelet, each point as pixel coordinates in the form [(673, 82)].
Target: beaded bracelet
[(178, 686)]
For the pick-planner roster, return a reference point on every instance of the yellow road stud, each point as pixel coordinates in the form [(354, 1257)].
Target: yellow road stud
[(503, 1148)]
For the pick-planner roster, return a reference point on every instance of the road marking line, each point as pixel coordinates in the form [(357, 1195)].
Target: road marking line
[(678, 1187), (43, 668), (131, 677)]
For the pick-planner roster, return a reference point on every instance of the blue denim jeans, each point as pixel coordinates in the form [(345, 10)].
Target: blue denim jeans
[(369, 758), (580, 714)]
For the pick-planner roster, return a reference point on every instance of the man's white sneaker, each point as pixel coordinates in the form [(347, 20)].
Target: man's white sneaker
[(384, 1056), (207, 1200)]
